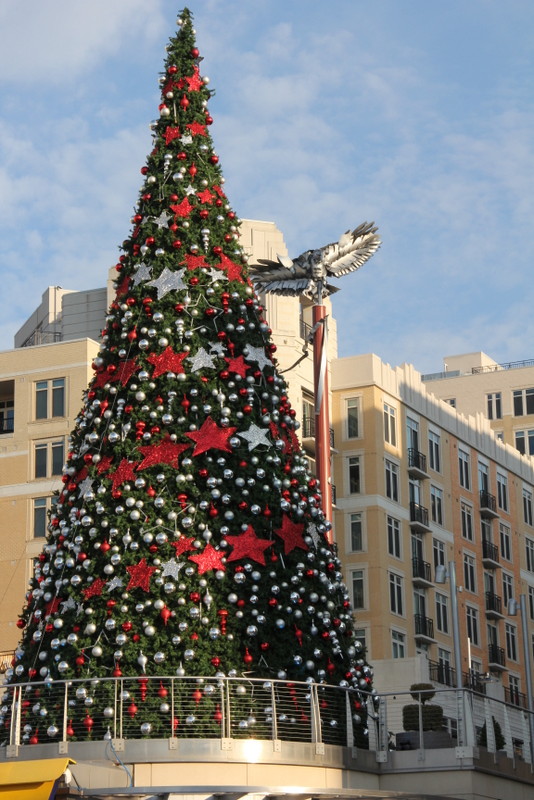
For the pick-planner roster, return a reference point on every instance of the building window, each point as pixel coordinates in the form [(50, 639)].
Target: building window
[(485, 529), (450, 400), (398, 644), (360, 635), (438, 549), (529, 548), (507, 588), (505, 541), (527, 506), (523, 402), (39, 517), (472, 624), (50, 398), (358, 593), (483, 477), (465, 469), (531, 602), (436, 505), (390, 425), (502, 491), (515, 689), (511, 641), (434, 454), (353, 417), (392, 481), (466, 513), (442, 613), (7, 416), (394, 537), (356, 538), (49, 458), (354, 474), (396, 602), (494, 405), (524, 441), (469, 573)]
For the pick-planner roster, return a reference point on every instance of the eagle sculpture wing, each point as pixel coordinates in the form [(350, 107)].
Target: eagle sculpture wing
[(300, 275)]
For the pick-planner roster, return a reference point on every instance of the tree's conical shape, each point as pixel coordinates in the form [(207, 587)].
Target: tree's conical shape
[(188, 537)]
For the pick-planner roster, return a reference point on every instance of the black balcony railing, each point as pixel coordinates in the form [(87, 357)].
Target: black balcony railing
[(334, 494), (442, 673), (493, 603), (496, 655), (515, 697), (421, 569), (416, 460), (488, 502), (308, 429), (419, 514), (490, 551), (424, 626)]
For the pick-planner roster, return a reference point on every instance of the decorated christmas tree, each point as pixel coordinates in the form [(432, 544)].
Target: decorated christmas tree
[(187, 541)]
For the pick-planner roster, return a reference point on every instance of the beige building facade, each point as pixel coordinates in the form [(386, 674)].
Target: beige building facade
[(420, 485)]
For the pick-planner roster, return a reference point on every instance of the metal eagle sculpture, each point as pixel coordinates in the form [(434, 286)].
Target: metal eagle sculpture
[(307, 274)]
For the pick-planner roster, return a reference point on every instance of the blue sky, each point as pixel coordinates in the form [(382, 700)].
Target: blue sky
[(418, 114)]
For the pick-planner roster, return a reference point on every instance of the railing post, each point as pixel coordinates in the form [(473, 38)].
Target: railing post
[(14, 733), (274, 714), (65, 712), (173, 732), (350, 727), (115, 693), (228, 715), (121, 707), (315, 714)]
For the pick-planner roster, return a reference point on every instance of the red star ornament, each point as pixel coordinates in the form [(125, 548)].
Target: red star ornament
[(125, 370), (81, 475), (95, 589), (122, 287), (209, 558), (168, 361), (197, 129), (52, 606), (248, 545), (165, 452), (291, 534), (124, 472), (206, 196), (104, 464), (195, 262), (219, 191), (194, 81), (171, 133), (211, 437), (233, 271), (237, 365), (182, 209), (182, 544), (140, 575)]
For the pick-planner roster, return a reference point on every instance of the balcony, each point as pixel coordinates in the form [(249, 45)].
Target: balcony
[(488, 505), (305, 330), (308, 430), (493, 606), (419, 517), (424, 628), (496, 658), (417, 464), (490, 554), (439, 672), (515, 697), (421, 572)]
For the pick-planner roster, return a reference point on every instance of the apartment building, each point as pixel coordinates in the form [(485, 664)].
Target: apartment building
[(419, 485), (40, 395), (504, 393)]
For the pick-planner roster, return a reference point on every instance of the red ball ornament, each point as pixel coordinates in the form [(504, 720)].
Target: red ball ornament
[(132, 710), (216, 661), (247, 658), (21, 623), (172, 70), (214, 159), (184, 102), (70, 729), (88, 723), (144, 170), (162, 691), (217, 715), (195, 52), (177, 244)]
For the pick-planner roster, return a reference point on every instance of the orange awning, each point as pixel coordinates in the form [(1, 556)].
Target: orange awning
[(31, 780)]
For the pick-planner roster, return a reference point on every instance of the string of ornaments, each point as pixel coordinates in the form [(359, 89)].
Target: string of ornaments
[(188, 538)]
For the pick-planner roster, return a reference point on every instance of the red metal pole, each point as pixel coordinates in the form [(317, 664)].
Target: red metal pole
[(322, 416)]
